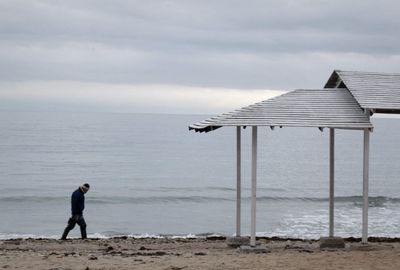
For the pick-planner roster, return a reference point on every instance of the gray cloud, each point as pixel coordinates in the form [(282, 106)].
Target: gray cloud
[(226, 43), (83, 96)]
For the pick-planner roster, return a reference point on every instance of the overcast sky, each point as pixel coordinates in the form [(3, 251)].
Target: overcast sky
[(205, 56)]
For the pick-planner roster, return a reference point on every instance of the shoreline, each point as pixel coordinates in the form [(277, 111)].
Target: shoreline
[(196, 253), (371, 239)]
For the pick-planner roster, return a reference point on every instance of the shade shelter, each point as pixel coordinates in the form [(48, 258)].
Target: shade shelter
[(375, 93), (319, 108)]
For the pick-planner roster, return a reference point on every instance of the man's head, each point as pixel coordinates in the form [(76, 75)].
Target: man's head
[(85, 187)]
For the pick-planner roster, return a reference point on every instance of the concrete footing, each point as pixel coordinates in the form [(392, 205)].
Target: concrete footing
[(331, 242), (256, 249), (237, 241)]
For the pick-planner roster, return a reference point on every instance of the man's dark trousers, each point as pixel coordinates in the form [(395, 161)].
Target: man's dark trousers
[(76, 219)]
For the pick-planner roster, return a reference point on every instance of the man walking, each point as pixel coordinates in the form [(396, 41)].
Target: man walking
[(77, 206)]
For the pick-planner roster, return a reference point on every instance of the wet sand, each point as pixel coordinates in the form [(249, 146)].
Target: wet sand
[(175, 254)]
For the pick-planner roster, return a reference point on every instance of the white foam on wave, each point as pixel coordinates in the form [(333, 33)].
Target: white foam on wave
[(190, 235), (145, 235), (7, 236)]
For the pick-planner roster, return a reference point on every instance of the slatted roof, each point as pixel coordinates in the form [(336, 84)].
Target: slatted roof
[(330, 108), (379, 92)]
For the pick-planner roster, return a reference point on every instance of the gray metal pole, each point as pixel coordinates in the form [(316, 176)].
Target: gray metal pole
[(365, 187), (238, 180), (331, 181), (253, 186)]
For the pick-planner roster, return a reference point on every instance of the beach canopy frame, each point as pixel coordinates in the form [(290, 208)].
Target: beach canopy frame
[(333, 108), (375, 92)]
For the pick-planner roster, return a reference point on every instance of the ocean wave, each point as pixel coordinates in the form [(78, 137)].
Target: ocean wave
[(374, 201), (32, 199), (116, 199), (351, 199), (109, 235), (379, 237)]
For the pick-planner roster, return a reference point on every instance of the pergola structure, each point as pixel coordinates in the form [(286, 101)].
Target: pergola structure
[(347, 102)]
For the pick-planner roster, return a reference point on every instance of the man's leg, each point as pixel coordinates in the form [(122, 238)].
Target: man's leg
[(70, 226), (82, 224)]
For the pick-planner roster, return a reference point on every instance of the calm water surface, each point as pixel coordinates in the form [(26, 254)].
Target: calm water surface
[(151, 176)]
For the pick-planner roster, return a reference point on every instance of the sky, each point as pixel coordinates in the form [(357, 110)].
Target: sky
[(183, 56)]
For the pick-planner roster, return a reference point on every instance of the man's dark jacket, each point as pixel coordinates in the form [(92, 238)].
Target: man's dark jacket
[(77, 202)]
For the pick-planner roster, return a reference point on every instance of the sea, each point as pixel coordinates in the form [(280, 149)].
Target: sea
[(152, 177)]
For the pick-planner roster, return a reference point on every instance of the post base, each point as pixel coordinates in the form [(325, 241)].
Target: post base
[(251, 249), (331, 242), (237, 241)]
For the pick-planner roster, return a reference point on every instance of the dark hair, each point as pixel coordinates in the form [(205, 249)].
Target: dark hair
[(86, 185)]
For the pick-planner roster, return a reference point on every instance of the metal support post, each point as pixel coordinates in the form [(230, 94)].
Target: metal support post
[(365, 187), (238, 181), (253, 186), (331, 181)]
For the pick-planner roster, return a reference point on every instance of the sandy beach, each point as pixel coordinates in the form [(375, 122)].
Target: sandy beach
[(174, 254)]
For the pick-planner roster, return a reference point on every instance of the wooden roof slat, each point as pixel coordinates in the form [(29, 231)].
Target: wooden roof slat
[(335, 108), (372, 90)]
